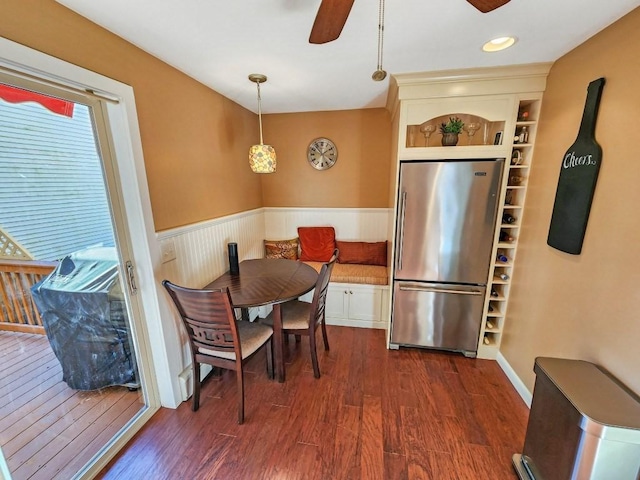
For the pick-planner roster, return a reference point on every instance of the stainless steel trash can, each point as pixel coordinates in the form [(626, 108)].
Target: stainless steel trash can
[(583, 425)]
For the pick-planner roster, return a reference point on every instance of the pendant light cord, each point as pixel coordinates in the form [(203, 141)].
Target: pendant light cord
[(259, 112), (380, 33)]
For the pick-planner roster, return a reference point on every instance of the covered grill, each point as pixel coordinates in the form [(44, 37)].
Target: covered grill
[(84, 315)]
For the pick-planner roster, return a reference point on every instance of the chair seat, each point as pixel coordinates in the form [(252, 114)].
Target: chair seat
[(302, 318), (252, 337), (295, 315)]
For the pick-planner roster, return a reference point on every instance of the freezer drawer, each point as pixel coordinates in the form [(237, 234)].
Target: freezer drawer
[(437, 315)]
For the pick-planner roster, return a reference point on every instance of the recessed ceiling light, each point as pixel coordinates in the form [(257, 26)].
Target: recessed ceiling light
[(498, 44)]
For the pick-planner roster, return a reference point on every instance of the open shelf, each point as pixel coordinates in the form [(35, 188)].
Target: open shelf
[(499, 281), (427, 134), (516, 177), (492, 325)]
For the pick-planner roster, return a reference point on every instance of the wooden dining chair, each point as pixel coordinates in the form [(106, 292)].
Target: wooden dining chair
[(216, 338), (303, 318)]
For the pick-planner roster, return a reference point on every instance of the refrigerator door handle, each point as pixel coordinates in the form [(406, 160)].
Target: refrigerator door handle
[(415, 288), (403, 209)]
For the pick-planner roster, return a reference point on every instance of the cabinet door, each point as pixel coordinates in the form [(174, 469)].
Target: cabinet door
[(365, 304), (337, 302)]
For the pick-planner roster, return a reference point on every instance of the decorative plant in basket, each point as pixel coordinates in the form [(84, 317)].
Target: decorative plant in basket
[(450, 131)]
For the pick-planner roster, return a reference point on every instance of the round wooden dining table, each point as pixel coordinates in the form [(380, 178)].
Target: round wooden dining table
[(268, 281)]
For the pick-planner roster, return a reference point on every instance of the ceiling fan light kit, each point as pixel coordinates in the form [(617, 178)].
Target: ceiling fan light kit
[(262, 158)]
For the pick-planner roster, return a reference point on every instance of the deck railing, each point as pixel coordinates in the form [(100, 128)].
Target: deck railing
[(19, 313)]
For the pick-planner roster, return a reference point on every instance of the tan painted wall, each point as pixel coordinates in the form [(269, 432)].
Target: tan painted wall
[(195, 141), (359, 178), (587, 306)]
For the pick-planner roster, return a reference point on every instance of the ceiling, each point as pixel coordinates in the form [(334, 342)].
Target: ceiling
[(220, 42)]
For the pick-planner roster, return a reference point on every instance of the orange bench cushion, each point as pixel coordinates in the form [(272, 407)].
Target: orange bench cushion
[(356, 273)]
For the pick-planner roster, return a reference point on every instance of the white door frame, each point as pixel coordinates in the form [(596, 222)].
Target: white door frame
[(158, 339)]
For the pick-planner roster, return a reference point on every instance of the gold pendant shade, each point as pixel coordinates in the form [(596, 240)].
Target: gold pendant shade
[(262, 158)]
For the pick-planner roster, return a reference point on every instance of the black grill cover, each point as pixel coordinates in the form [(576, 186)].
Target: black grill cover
[(85, 317)]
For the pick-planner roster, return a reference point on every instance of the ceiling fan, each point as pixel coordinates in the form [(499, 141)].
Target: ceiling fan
[(485, 6), (332, 15)]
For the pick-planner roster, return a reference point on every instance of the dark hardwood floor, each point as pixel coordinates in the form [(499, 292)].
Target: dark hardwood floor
[(374, 414)]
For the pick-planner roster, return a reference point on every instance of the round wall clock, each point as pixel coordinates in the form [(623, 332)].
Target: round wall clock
[(322, 153)]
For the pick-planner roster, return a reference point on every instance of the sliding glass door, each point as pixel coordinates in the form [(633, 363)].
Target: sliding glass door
[(72, 329)]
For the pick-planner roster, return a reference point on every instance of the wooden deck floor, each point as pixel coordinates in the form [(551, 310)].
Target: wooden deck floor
[(48, 430), (374, 414)]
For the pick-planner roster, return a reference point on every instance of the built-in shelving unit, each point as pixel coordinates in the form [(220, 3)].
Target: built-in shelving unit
[(501, 103), (507, 232)]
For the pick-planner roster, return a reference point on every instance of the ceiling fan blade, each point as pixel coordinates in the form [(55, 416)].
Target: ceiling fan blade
[(485, 6), (330, 19)]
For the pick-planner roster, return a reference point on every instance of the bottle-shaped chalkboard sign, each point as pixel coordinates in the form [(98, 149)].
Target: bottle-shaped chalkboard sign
[(577, 182)]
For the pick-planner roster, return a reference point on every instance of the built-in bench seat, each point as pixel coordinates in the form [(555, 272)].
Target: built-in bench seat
[(358, 295), (359, 287), (356, 273)]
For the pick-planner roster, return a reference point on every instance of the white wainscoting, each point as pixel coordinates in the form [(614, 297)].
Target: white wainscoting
[(201, 248), (359, 224)]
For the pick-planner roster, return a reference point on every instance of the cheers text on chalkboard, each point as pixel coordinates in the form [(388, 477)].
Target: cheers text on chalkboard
[(577, 181)]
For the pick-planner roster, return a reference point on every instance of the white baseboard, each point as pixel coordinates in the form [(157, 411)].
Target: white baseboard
[(186, 383), (344, 322), (518, 384)]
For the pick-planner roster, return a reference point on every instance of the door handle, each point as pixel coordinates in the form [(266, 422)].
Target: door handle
[(439, 290), (403, 210), (133, 289)]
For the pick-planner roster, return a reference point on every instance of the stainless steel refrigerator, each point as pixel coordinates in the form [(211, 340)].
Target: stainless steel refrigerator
[(444, 236)]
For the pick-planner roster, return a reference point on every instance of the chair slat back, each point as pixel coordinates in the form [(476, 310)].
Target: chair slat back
[(319, 301), (207, 316)]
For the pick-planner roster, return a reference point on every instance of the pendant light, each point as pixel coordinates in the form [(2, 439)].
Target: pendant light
[(380, 74), (262, 158)]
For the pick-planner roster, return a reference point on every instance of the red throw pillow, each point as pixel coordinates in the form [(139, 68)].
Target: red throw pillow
[(317, 243), (364, 253)]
